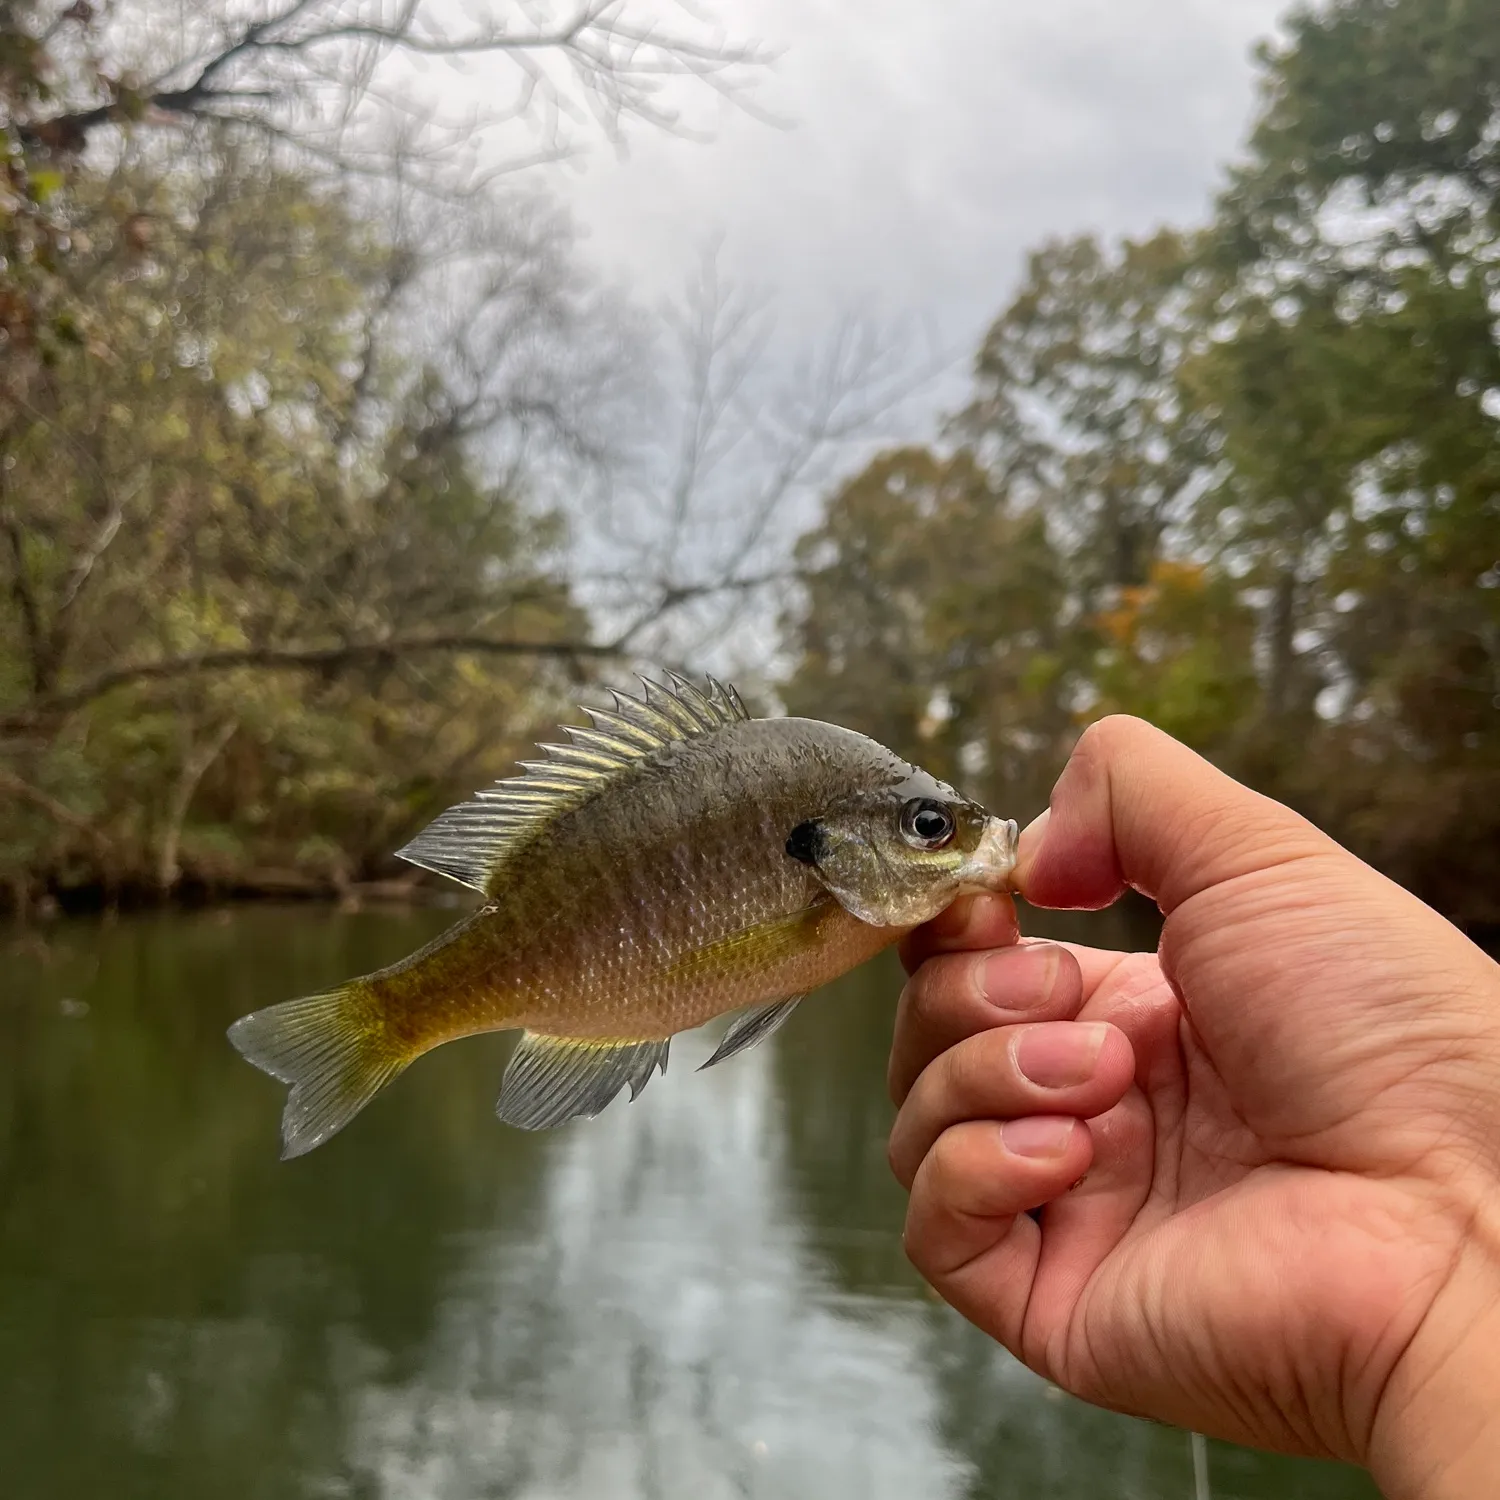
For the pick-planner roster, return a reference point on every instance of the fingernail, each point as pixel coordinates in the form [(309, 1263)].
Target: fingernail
[(1038, 1135), (1019, 978), (1059, 1055)]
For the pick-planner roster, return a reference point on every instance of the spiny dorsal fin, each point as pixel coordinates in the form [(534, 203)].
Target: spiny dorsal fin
[(468, 842)]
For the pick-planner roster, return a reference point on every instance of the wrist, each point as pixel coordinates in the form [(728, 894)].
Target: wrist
[(1437, 1432)]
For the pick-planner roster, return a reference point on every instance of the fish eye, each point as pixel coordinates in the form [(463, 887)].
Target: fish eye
[(926, 824)]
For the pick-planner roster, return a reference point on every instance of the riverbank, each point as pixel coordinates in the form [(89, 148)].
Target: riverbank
[(417, 889), (23, 906)]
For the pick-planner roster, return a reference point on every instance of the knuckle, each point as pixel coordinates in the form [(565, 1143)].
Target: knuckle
[(895, 1075), (950, 1165), (940, 986), (895, 1157), (1106, 739), (970, 1069), (910, 1247), (921, 988), (916, 1242), (912, 1007)]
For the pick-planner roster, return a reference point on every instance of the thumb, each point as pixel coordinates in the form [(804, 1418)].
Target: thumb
[(1133, 807)]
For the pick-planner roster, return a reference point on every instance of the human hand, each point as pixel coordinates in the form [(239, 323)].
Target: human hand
[(1281, 1222)]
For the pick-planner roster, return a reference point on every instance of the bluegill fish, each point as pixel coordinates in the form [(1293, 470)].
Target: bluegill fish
[(677, 861)]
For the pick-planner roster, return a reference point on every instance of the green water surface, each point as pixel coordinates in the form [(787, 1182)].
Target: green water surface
[(699, 1296)]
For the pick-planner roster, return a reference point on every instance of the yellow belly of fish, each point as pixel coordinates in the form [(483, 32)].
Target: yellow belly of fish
[(770, 961)]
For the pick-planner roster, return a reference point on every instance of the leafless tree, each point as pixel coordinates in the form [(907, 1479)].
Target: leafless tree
[(675, 546), (349, 81), (686, 554)]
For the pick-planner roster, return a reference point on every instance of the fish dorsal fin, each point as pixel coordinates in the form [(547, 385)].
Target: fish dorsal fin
[(469, 842)]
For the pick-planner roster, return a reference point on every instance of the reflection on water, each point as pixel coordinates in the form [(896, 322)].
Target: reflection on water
[(700, 1296)]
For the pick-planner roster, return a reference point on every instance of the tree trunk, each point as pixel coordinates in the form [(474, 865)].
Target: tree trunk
[(194, 766), (1281, 650)]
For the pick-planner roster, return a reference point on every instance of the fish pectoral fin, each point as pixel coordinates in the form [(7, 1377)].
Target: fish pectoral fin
[(752, 1027), (552, 1079)]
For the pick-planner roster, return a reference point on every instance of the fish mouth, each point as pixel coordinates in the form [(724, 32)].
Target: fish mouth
[(990, 866)]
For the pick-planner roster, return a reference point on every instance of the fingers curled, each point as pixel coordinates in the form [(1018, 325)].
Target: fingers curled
[(973, 1189), (1050, 1068), (957, 995)]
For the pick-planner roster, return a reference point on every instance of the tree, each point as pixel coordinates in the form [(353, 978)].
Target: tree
[(1260, 465), (288, 389), (329, 85), (36, 318), (1077, 405), (926, 618), (234, 527), (690, 544), (335, 79), (1386, 107), (1356, 375)]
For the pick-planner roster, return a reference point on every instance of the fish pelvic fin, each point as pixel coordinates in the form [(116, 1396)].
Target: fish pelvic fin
[(333, 1051), (471, 842), (552, 1079), (753, 1026)]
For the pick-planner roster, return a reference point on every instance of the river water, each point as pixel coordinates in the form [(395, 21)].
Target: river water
[(696, 1297)]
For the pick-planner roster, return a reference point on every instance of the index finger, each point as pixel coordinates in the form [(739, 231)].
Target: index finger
[(984, 919)]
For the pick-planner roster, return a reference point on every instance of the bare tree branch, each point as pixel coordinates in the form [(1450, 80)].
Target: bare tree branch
[(59, 812), (290, 659), (702, 520), (604, 60), (191, 773), (336, 659)]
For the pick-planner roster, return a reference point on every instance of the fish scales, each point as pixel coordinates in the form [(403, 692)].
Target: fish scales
[(672, 859), (737, 863)]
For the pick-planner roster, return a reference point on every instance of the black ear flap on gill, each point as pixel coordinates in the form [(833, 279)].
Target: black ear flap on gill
[(807, 843)]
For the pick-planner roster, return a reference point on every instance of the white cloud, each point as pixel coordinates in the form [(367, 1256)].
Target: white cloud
[(932, 146)]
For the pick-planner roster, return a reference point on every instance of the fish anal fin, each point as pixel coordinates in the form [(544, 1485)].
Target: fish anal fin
[(469, 842), (753, 1026), (553, 1079)]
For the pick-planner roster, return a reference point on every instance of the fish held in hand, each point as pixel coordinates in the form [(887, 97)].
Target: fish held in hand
[(676, 861)]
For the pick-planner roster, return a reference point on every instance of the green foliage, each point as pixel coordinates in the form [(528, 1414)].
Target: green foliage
[(1178, 651), (242, 464), (927, 618), (259, 482), (1076, 403), (1260, 471), (1381, 101)]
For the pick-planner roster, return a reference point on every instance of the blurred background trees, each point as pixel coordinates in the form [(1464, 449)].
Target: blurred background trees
[(289, 388), (283, 373), (1258, 468)]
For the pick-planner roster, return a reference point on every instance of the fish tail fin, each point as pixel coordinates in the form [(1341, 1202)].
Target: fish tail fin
[(333, 1050)]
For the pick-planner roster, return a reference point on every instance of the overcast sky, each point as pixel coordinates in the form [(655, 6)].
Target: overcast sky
[(930, 144)]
